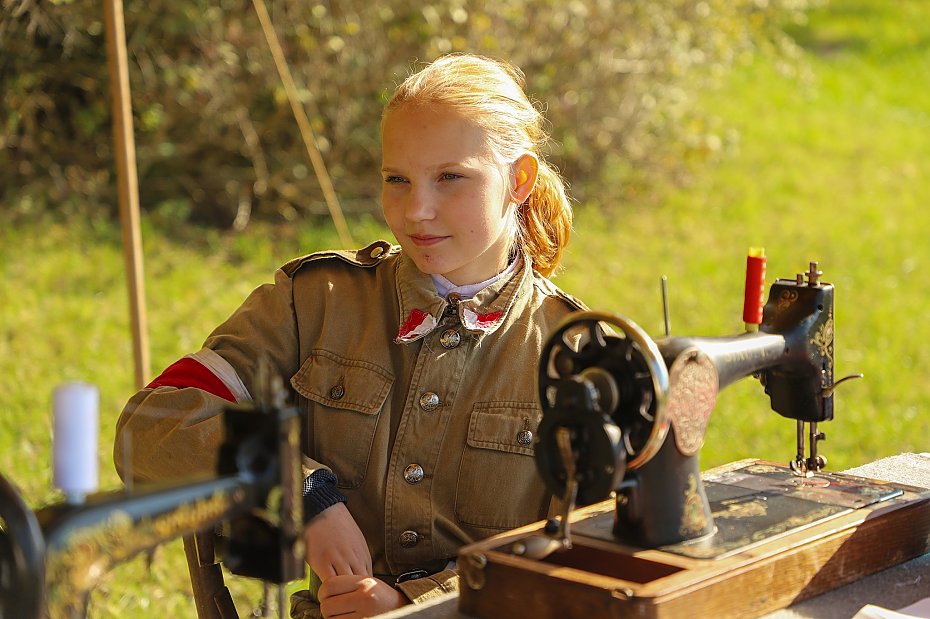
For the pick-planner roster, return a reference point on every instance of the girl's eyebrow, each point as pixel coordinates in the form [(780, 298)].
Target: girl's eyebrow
[(441, 166)]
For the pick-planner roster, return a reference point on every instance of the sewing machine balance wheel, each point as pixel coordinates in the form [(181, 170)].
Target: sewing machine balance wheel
[(22, 564), (602, 378)]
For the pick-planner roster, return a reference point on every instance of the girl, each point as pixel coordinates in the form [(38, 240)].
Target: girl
[(415, 364)]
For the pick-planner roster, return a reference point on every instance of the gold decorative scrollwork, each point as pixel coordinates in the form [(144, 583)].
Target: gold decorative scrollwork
[(71, 571), (787, 298), (741, 508), (74, 567), (693, 517), (823, 338)]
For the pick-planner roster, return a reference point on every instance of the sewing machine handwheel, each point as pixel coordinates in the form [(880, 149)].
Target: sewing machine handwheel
[(604, 378), (22, 572)]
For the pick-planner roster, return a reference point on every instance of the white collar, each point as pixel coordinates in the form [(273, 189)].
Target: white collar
[(466, 291)]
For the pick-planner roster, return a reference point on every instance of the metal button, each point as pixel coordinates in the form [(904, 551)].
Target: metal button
[(377, 251), (453, 308), (429, 401), (524, 437), (409, 539), (411, 575), (413, 473), (450, 338), (337, 392)]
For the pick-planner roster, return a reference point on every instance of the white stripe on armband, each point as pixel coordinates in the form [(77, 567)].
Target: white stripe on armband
[(224, 371)]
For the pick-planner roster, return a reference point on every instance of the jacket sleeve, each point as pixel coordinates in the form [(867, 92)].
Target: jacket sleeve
[(173, 428), (429, 587), (168, 433)]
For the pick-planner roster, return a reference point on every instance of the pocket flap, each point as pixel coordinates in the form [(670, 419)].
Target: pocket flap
[(502, 426), (344, 383)]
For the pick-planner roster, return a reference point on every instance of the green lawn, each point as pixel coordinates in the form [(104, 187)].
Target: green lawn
[(833, 168), (830, 167)]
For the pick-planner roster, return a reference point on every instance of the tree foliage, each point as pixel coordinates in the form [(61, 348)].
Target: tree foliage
[(215, 137)]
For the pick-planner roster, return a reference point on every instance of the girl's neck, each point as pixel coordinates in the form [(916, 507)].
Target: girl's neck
[(466, 291)]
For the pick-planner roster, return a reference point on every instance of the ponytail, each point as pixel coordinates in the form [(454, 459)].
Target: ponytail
[(545, 221)]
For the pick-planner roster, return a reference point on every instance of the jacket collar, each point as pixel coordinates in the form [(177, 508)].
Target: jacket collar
[(421, 308)]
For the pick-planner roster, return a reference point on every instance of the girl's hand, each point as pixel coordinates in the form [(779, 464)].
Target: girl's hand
[(351, 597), (335, 545)]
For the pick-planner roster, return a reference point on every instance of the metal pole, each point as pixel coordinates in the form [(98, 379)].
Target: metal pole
[(128, 182)]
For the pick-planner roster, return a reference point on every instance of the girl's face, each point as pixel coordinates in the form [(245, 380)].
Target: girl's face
[(445, 198)]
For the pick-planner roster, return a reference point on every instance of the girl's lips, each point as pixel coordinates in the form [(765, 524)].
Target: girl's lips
[(426, 240)]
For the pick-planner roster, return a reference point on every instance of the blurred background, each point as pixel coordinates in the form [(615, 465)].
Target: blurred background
[(688, 131)]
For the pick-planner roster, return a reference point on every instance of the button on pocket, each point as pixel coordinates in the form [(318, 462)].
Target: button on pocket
[(498, 485), (409, 539), (344, 398)]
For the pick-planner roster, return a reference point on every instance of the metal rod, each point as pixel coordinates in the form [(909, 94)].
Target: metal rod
[(127, 463), (665, 313), (564, 441), (800, 425)]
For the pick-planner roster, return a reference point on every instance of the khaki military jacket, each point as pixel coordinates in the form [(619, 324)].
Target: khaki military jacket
[(424, 408)]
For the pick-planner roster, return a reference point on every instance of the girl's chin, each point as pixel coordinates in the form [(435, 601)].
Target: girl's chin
[(430, 265)]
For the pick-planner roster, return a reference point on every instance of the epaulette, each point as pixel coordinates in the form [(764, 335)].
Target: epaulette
[(552, 290), (368, 256)]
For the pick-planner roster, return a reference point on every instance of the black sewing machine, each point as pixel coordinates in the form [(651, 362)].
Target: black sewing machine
[(50, 560), (624, 417)]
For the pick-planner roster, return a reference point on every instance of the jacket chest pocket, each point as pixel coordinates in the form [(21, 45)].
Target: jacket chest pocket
[(345, 397), (498, 486)]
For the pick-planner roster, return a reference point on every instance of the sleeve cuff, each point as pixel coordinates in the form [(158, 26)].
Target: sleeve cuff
[(429, 587), (320, 492)]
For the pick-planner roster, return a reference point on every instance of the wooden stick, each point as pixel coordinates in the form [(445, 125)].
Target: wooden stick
[(303, 124), (128, 182)]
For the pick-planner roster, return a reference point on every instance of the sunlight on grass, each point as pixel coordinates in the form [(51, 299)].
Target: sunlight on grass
[(831, 169)]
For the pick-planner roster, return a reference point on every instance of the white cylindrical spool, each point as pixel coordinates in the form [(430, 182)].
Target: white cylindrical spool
[(76, 427)]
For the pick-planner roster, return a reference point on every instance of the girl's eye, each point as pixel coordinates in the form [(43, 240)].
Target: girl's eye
[(449, 176), (394, 179)]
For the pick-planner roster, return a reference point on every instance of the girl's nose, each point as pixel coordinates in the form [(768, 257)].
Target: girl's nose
[(420, 205)]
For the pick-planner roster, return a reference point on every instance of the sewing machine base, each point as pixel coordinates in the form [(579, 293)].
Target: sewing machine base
[(780, 539)]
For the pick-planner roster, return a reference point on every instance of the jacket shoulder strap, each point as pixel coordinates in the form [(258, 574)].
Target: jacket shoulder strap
[(369, 256), (550, 289)]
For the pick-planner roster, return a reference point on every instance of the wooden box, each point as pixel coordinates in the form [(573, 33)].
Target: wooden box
[(769, 566)]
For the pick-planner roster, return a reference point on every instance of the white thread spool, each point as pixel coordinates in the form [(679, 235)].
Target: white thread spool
[(76, 427)]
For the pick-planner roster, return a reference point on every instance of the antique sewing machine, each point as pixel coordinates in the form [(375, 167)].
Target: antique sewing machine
[(50, 560), (624, 419)]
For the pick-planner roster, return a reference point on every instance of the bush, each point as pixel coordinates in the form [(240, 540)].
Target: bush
[(216, 138)]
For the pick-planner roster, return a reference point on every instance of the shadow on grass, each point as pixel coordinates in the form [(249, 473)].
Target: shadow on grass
[(859, 28)]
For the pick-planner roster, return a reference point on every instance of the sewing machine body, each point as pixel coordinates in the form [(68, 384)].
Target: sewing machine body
[(51, 560)]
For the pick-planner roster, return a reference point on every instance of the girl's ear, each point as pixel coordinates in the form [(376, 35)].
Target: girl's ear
[(524, 172)]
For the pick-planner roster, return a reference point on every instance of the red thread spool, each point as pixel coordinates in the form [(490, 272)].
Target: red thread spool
[(754, 294)]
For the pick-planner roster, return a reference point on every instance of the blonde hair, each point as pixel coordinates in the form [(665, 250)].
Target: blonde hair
[(490, 93)]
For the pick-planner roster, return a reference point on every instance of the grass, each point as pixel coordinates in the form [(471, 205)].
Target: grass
[(64, 316), (832, 167)]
